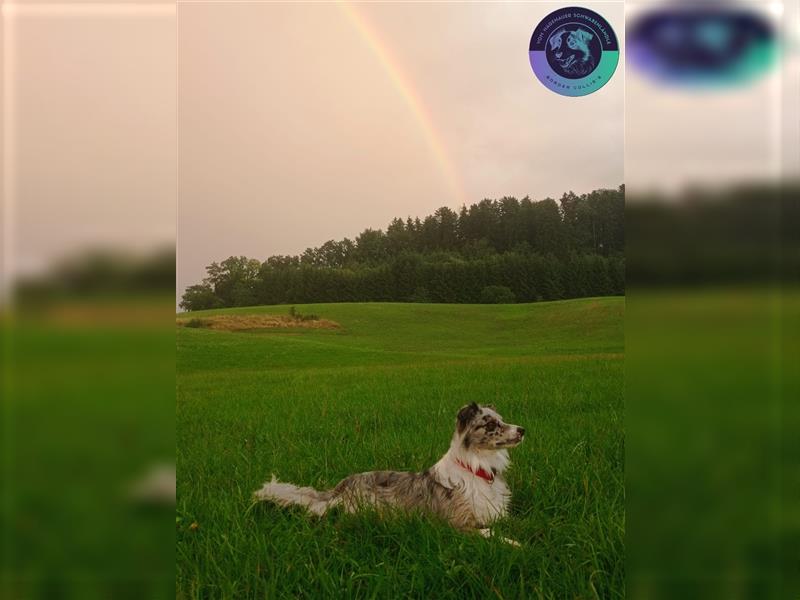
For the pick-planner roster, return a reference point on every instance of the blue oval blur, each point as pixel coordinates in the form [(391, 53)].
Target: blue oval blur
[(705, 47)]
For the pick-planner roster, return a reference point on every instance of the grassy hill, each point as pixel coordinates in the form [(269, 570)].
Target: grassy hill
[(381, 391)]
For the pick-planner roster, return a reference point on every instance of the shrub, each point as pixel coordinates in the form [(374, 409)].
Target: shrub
[(200, 297), (196, 323), (295, 314), (497, 294)]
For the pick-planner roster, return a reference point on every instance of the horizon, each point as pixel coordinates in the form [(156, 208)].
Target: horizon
[(421, 218)]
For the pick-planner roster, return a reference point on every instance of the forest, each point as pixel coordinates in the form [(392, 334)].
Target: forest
[(494, 251)]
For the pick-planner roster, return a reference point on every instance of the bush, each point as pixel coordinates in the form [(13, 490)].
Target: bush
[(295, 314), (196, 323), (497, 294), (200, 297)]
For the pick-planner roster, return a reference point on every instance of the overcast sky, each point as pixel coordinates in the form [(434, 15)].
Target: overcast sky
[(88, 130), (300, 123)]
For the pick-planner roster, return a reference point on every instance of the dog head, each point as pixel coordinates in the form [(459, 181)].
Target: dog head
[(570, 50), (557, 39), (482, 428), (579, 40)]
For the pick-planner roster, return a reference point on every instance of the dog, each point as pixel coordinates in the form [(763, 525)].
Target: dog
[(466, 486), (579, 62)]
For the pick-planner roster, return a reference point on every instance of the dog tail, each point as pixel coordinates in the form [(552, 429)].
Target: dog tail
[(287, 494)]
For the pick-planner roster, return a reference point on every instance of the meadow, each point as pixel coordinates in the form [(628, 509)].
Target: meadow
[(381, 391), (87, 410)]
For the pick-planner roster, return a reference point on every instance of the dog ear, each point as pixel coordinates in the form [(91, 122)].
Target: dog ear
[(466, 414)]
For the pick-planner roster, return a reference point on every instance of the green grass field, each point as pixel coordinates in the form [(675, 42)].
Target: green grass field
[(87, 410), (313, 406)]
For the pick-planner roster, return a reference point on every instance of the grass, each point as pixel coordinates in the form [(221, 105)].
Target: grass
[(712, 446), (87, 410), (257, 322), (381, 392)]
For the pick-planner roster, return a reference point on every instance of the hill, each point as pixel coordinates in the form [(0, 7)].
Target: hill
[(380, 391)]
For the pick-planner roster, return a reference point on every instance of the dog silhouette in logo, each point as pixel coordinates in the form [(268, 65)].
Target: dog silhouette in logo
[(572, 57)]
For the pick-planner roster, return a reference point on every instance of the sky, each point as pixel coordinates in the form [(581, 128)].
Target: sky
[(676, 136), (88, 130), (300, 123), (261, 128)]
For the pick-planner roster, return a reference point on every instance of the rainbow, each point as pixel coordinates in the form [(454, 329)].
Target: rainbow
[(411, 97)]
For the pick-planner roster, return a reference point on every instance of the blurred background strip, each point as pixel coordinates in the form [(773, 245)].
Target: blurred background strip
[(712, 103), (89, 138)]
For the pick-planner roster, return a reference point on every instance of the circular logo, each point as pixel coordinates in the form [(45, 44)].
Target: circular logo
[(574, 51)]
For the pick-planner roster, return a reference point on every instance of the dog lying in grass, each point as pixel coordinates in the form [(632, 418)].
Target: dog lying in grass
[(466, 487)]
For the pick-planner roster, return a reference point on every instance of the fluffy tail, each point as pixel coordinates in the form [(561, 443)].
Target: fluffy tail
[(286, 494)]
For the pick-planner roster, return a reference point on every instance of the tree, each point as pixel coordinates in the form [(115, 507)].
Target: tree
[(545, 229), (537, 250), (497, 294), (200, 297), (447, 222), (372, 247), (398, 238), (232, 276)]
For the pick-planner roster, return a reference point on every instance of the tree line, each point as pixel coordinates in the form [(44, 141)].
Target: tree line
[(742, 234), (505, 250)]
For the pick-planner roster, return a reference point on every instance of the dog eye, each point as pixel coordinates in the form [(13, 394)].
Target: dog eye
[(490, 426)]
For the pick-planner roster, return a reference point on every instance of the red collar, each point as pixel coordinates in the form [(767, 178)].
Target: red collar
[(482, 473)]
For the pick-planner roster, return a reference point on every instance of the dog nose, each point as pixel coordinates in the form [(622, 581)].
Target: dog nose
[(521, 431)]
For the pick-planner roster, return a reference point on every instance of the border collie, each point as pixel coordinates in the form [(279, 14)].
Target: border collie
[(466, 487)]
